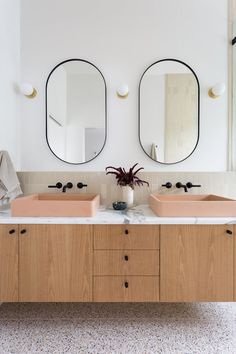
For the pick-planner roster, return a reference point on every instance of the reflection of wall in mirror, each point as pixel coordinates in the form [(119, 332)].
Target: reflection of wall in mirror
[(153, 113), (57, 108), (181, 118), (85, 102), (233, 149), (94, 140), (76, 100)]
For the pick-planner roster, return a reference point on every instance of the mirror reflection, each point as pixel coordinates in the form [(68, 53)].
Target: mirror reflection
[(76, 111), (169, 111), (233, 126)]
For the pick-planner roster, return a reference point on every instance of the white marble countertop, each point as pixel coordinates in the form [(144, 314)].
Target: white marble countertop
[(141, 214)]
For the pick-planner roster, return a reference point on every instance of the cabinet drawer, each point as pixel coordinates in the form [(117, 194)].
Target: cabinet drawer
[(126, 289), (126, 237), (127, 262)]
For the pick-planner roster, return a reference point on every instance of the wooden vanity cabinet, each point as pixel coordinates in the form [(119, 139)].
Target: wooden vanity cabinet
[(196, 263), (117, 263), (55, 263), (8, 263)]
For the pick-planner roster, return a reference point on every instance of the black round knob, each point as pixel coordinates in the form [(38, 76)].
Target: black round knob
[(168, 185), (126, 258), (23, 231), (126, 232), (12, 231), (229, 232), (126, 284), (69, 185)]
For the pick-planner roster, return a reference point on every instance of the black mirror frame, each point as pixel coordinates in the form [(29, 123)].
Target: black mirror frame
[(139, 105), (46, 100)]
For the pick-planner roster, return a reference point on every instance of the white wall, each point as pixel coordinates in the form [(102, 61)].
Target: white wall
[(9, 77), (122, 38)]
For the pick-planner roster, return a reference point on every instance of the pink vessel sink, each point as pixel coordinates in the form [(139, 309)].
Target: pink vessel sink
[(50, 204), (192, 205)]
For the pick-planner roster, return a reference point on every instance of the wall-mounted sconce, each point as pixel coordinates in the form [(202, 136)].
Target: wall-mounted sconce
[(28, 90), (123, 91), (217, 90)]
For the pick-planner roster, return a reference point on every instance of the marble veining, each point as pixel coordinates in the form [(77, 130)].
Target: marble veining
[(140, 214)]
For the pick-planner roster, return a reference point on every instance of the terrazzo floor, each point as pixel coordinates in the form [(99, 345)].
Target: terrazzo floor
[(208, 328)]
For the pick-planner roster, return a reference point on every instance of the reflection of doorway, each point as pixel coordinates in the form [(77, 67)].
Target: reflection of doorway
[(181, 116), (94, 139)]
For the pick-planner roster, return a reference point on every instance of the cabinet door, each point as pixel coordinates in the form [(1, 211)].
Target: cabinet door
[(8, 263), (55, 263), (234, 262), (196, 263)]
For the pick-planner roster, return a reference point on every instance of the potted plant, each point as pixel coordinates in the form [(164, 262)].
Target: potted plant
[(127, 180)]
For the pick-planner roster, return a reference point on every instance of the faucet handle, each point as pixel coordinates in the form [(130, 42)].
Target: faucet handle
[(80, 185), (58, 185), (168, 185), (190, 185)]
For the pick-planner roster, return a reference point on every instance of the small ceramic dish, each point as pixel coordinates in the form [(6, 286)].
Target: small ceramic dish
[(119, 205)]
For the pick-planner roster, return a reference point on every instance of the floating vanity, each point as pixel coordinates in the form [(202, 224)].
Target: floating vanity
[(131, 256)]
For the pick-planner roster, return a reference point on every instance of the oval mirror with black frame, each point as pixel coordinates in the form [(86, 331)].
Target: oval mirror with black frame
[(76, 111), (169, 101)]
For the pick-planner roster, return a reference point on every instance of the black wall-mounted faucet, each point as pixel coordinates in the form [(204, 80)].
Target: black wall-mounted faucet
[(69, 185), (81, 185), (186, 186), (58, 185), (181, 185), (190, 185)]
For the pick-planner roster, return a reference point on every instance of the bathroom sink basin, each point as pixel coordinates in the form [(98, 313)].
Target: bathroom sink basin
[(50, 204), (192, 205)]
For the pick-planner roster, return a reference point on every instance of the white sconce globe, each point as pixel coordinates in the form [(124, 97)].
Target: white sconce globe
[(122, 91), (217, 90), (28, 90)]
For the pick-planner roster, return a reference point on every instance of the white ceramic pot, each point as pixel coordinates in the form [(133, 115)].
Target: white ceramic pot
[(128, 195)]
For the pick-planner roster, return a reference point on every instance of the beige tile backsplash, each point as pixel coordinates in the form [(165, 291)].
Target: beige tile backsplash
[(222, 183)]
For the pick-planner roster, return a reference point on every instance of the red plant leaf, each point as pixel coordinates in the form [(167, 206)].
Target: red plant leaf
[(141, 168), (112, 173), (125, 178)]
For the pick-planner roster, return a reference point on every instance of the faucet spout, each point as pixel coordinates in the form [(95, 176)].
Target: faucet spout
[(69, 185), (181, 185)]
